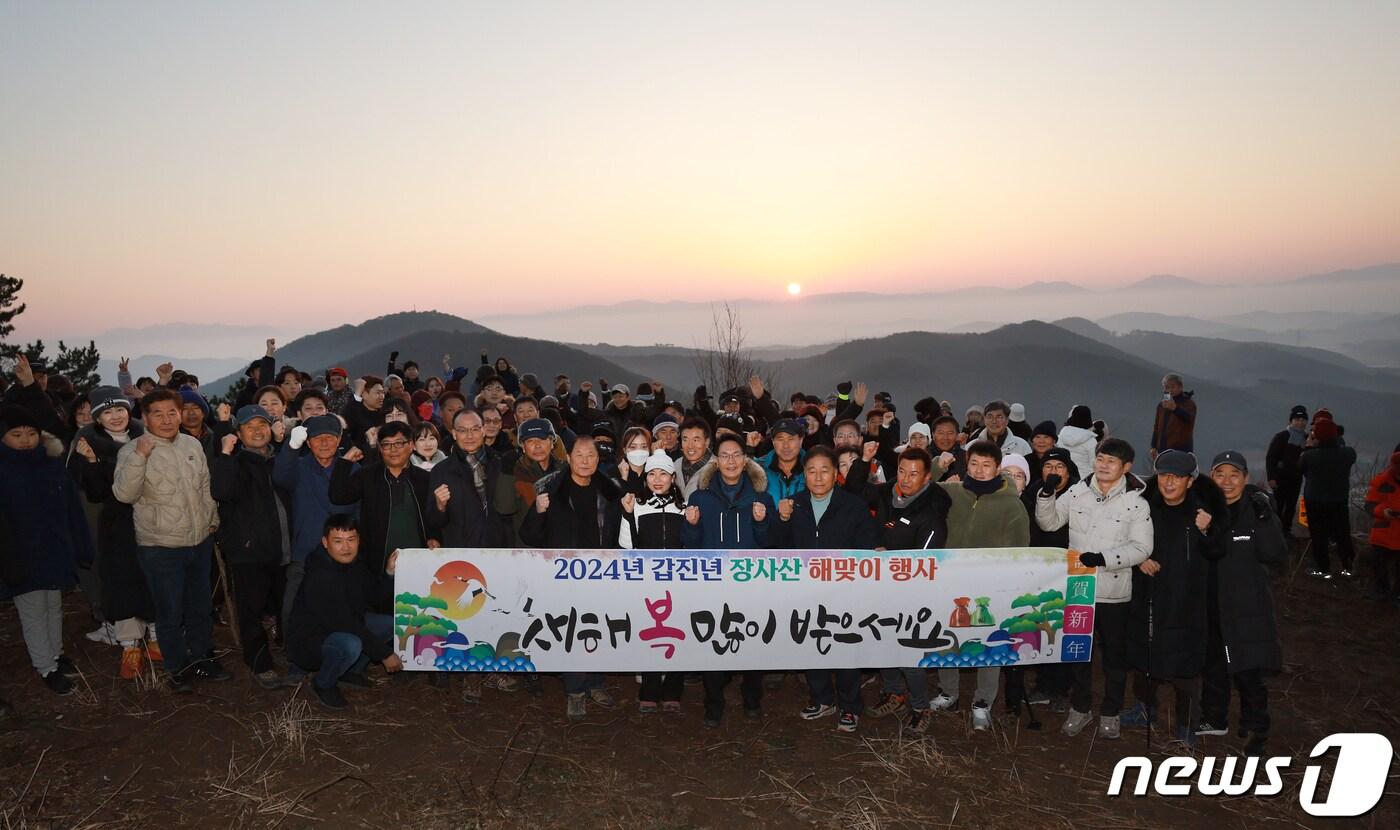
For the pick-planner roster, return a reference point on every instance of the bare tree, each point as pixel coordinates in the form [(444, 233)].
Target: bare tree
[(726, 363)]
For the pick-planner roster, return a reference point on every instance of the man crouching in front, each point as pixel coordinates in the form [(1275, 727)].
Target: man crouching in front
[(331, 631)]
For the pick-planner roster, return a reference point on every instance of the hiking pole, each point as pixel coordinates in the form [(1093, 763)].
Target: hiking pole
[(1150, 684)]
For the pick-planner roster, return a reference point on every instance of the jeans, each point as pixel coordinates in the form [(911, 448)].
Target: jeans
[(1111, 647), (1330, 522), (751, 687), (41, 621), (845, 694), (343, 652), (179, 582), (576, 683), (911, 681)]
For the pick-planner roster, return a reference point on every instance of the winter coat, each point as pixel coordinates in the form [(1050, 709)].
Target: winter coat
[(782, 486), (922, 524), (557, 527), (1238, 593), (46, 534), (469, 521), (334, 598), (1117, 525), (727, 524), (1167, 617), (1382, 495), (1281, 462), (169, 492), (846, 525), (515, 494), (656, 523), (996, 520), (690, 485), (1082, 445), (368, 485), (1010, 442), (124, 589), (298, 472), (254, 519), (1175, 429), (1327, 473), (360, 420), (417, 460)]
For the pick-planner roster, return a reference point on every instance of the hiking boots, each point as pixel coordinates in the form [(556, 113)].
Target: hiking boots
[(892, 704)]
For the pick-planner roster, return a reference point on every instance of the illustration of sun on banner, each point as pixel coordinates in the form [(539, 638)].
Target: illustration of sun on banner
[(636, 611)]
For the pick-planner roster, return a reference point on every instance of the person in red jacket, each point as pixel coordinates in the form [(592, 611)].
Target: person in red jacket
[(1383, 503)]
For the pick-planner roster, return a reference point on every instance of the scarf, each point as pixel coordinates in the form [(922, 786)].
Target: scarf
[(982, 488), (476, 462), (689, 471), (901, 501), (1297, 437)]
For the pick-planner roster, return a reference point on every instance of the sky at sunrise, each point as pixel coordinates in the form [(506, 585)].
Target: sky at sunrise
[(326, 162)]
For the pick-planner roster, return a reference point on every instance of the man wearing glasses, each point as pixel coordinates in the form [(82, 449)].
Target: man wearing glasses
[(462, 485), (393, 496)]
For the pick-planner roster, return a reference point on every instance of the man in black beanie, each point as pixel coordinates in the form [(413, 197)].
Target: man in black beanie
[(1281, 465)]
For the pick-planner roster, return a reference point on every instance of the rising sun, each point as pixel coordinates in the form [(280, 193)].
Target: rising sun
[(794, 288)]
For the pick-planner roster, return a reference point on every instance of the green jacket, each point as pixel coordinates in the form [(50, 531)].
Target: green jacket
[(997, 520)]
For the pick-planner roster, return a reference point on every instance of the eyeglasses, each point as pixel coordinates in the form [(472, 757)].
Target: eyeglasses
[(392, 445), (730, 456)]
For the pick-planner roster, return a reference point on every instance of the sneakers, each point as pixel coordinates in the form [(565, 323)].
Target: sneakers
[(1059, 704), (1319, 574), (848, 722), (942, 703), (1110, 728), (66, 667), (1346, 573), (268, 680), (981, 716), (671, 707), (892, 704), (209, 670), (105, 634), (1037, 698), (815, 711), (1140, 715), (601, 697), (1208, 728), (918, 721), (1075, 722), (132, 659), (578, 706), (331, 698), (58, 684), (646, 707)]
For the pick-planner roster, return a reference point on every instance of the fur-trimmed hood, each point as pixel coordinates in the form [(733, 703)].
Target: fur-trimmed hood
[(757, 477)]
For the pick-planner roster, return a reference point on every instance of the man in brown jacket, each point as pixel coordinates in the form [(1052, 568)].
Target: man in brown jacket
[(1174, 425), (165, 477)]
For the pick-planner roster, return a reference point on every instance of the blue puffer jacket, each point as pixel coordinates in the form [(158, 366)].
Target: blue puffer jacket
[(784, 487), (45, 534), (729, 524), (298, 473)]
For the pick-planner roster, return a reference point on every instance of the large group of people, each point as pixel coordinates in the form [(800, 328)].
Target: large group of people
[(309, 485)]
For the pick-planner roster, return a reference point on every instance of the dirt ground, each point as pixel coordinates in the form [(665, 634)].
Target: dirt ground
[(411, 755)]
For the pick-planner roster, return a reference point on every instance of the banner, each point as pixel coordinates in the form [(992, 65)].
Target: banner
[(696, 610)]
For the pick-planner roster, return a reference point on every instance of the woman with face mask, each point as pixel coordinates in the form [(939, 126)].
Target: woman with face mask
[(636, 449)]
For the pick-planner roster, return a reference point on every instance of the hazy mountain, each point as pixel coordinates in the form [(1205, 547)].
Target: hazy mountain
[(316, 352), (1051, 287), (1178, 324), (1388, 272), (206, 369), (1162, 282)]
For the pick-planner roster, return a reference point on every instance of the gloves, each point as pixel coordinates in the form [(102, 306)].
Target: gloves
[(393, 356), (1092, 560), (1262, 506), (701, 393), (1049, 484), (843, 390), (298, 437)]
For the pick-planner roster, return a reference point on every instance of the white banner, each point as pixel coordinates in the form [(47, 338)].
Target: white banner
[(639, 611)]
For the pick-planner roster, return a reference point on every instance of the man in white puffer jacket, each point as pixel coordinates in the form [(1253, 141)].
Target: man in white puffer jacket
[(1111, 524), (164, 476)]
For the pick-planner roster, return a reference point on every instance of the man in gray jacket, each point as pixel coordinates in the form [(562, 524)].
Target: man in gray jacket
[(165, 477)]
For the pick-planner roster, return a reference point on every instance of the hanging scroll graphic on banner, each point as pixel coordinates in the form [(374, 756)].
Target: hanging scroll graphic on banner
[(635, 611)]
